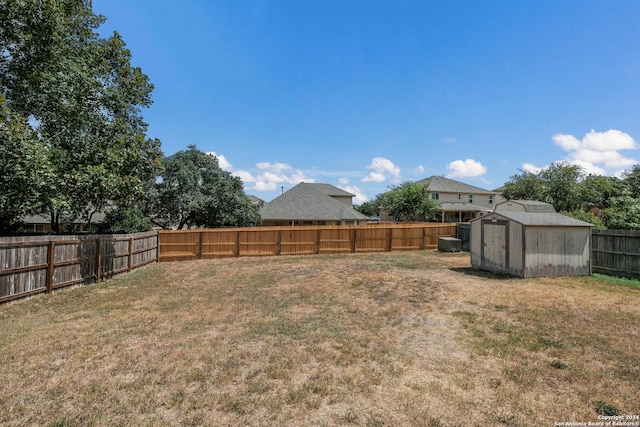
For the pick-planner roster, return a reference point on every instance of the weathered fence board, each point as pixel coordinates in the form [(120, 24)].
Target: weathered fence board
[(616, 252), (181, 245), (35, 264)]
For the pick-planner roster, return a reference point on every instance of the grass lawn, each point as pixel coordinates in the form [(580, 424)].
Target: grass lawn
[(389, 339)]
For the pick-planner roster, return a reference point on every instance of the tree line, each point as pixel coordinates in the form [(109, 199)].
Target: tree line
[(606, 202), (73, 142), (73, 139)]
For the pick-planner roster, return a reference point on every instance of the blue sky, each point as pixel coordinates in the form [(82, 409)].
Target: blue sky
[(366, 94)]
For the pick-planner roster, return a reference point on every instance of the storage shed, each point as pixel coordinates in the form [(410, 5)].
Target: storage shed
[(531, 244)]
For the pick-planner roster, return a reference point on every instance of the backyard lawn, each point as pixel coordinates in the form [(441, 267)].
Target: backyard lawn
[(388, 339)]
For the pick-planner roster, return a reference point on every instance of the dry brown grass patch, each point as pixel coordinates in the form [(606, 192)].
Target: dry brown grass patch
[(372, 340)]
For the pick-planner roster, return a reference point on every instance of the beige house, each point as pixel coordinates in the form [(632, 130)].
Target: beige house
[(459, 202)]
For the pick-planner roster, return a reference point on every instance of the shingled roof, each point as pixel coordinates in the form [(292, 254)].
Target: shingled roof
[(440, 184), (311, 202)]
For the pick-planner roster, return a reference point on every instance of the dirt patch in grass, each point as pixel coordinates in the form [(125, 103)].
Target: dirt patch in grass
[(416, 338)]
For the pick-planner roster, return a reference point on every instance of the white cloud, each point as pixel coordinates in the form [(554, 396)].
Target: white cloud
[(531, 168), (382, 167), (465, 169), (273, 175), (374, 177), (273, 166), (343, 181), (359, 195), (598, 152), (419, 170), (245, 176), (224, 164)]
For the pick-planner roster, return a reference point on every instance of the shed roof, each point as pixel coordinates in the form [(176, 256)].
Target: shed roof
[(310, 202), (440, 184), (528, 205), (539, 219)]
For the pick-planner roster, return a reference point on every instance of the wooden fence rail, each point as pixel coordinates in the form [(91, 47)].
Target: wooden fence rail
[(37, 264), (182, 245), (616, 252)]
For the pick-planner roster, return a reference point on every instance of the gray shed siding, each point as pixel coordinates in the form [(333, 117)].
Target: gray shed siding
[(557, 251), (502, 244)]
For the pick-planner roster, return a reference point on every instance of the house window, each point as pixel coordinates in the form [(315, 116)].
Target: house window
[(470, 198), (435, 196), (490, 200)]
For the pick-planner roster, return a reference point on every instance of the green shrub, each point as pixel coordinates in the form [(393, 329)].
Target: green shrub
[(125, 220)]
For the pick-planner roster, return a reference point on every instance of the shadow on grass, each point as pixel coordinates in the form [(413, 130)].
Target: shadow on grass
[(470, 271)]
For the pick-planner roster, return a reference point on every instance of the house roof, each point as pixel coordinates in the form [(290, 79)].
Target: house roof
[(440, 184), (310, 202), (539, 219), (463, 207)]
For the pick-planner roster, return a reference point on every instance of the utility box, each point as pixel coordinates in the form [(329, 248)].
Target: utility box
[(448, 244)]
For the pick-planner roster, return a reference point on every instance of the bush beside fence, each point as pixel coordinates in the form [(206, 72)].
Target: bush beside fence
[(35, 264)]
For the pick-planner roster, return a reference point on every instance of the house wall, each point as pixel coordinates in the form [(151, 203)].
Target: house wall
[(557, 251), (346, 200), (478, 199)]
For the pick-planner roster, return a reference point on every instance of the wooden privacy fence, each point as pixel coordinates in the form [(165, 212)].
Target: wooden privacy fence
[(616, 252), (36, 264), (181, 245)]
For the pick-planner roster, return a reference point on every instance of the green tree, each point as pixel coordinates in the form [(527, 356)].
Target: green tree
[(195, 192), (622, 214), (526, 186), (83, 99), (370, 208), (23, 167), (597, 191), (558, 185), (409, 202), (561, 184), (632, 179), (586, 217), (125, 220)]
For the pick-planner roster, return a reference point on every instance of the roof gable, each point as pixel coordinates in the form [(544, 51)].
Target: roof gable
[(440, 184), (310, 202)]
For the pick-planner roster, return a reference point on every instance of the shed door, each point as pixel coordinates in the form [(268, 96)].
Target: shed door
[(493, 256)]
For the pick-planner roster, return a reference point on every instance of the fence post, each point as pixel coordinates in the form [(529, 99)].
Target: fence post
[(129, 268), (51, 259), (279, 243), (353, 240), (390, 239), (238, 243), (98, 259), (158, 246), (199, 246), (318, 235), (423, 246)]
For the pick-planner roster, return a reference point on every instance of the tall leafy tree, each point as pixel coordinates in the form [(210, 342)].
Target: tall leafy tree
[(83, 99), (409, 202), (558, 185), (632, 179), (23, 167), (525, 186), (597, 190), (623, 213), (194, 191)]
